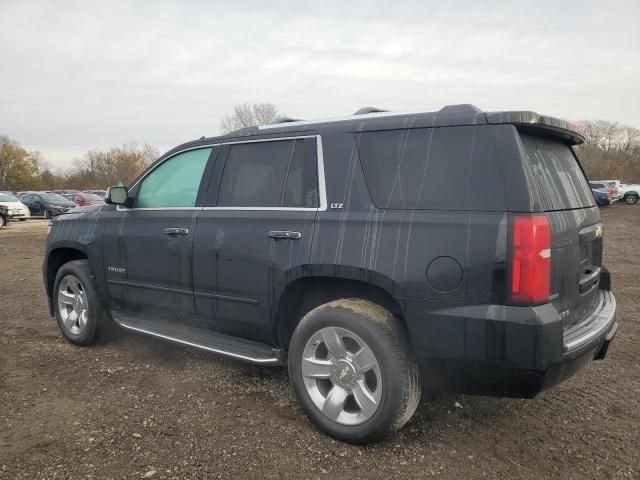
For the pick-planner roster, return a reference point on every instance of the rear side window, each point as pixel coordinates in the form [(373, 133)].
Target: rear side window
[(275, 174), (448, 168), (552, 169)]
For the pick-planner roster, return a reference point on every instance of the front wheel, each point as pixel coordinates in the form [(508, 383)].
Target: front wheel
[(631, 199), (80, 316), (353, 370)]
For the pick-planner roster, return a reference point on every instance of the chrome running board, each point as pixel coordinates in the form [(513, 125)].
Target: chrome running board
[(234, 347)]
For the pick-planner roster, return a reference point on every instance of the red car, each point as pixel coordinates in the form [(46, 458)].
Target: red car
[(83, 199)]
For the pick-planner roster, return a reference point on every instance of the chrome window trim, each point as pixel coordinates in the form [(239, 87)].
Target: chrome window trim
[(322, 188)]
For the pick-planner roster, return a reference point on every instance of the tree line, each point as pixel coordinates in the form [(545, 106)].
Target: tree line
[(610, 151), (96, 170)]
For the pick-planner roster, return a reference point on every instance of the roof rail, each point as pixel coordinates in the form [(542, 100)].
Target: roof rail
[(240, 131), (285, 120), (365, 110), (460, 108)]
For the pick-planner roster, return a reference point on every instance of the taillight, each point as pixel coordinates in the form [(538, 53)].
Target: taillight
[(531, 260)]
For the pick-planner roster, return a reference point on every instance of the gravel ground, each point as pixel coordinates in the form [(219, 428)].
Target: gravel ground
[(174, 412)]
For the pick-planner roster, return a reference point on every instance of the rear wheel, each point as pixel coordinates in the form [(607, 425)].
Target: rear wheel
[(80, 316), (631, 199), (353, 370)]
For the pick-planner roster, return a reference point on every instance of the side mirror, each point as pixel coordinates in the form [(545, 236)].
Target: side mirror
[(117, 195)]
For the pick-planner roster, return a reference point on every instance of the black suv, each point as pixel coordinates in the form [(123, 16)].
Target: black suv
[(380, 256)]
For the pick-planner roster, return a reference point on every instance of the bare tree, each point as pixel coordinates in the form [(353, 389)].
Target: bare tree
[(610, 150), (102, 168), (250, 115)]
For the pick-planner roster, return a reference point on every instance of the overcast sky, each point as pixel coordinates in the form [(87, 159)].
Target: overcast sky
[(77, 75)]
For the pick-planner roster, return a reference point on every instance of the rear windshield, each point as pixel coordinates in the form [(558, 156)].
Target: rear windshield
[(554, 171)]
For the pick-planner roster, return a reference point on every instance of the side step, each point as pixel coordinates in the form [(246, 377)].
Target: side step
[(234, 347)]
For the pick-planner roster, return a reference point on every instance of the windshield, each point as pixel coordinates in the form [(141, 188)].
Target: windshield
[(53, 198), (5, 197)]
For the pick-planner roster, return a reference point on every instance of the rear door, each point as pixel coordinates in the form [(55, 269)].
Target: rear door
[(560, 189), (254, 233)]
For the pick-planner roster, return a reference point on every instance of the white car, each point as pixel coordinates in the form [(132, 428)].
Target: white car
[(17, 209), (629, 193)]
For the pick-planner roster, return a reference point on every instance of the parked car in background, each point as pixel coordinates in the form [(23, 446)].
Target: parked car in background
[(601, 195), (46, 205), (614, 191), (629, 193), (16, 208), (83, 199)]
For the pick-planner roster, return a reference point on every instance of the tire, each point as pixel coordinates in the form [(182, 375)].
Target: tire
[(631, 199), (2, 221), (393, 383), (82, 329), (47, 215)]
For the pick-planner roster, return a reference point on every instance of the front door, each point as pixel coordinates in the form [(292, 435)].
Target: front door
[(254, 233), (148, 248)]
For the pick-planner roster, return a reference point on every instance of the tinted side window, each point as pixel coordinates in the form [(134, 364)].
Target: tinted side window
[(301, 188), (270, 174), (175, 182), (448, 168)]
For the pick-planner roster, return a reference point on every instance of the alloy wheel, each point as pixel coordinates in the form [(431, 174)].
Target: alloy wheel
[(73, 305), (342, 376)]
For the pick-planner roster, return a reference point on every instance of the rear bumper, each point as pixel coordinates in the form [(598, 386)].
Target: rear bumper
[(506, 350)]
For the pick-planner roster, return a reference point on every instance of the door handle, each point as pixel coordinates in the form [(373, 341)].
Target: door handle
[(286, 235), (176, 231)]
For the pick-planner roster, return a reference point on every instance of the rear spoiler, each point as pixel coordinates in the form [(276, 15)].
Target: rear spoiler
[(539, 124)]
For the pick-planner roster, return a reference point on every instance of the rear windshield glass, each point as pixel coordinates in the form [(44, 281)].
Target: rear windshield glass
[(554, 172)]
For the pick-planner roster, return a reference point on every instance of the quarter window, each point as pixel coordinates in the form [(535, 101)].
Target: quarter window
[(174, 183), (270, 174), (447, 168)]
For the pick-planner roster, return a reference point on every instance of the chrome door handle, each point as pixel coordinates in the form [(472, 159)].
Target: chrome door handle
[(176, 231), (282, 234)]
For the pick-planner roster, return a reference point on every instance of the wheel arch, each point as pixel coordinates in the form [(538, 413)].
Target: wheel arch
[(55, 259), (305, 293)]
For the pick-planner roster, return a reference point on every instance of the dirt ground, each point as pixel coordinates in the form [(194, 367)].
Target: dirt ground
[(175, 412)]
